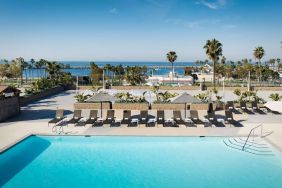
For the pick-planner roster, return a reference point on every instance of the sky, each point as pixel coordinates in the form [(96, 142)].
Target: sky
[(137, 30)]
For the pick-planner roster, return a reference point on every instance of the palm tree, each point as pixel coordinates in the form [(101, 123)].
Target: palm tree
[(223, 60), (32, 63), (275, 97), (21, 63), (278, 60), (258, 54), (171, 57), (213, 50)]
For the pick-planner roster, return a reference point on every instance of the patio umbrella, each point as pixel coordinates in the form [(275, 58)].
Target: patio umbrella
[(274, 105), (186, 98), (100, 98)]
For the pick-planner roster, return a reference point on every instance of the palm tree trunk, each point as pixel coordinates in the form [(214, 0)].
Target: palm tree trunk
[(214, 69)]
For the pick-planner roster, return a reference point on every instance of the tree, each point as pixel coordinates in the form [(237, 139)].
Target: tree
[(135, 75), (278, 60), (96, 74), (213, 50), (32, 63), (275, 97), (171, 57), (21, 64), (258, 54)]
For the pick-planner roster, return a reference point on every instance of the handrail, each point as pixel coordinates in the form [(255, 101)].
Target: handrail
[(260, 125)]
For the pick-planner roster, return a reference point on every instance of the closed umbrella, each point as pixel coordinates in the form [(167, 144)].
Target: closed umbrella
[(100, 98), (186, 98)]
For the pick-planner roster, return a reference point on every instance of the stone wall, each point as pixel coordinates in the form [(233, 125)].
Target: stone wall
[(9, 107), (38, 96)]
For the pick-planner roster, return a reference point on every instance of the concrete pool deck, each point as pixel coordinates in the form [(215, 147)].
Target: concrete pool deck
[(34, 118)]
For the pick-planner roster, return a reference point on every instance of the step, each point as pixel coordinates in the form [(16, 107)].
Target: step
[(233, 145)]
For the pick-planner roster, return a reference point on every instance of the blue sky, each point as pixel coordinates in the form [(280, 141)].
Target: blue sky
[(137, 30)]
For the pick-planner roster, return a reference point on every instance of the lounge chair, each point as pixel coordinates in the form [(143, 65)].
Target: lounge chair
[(230, 105), (229, 119), (152, 120), (177, 117), (58, 117), (126, 117), (160, 117), (110, 117), (76, 117), (243, 105), (256, 108), (81, 122), (214, 120), (144, 117), (92, 117), (195, 117)]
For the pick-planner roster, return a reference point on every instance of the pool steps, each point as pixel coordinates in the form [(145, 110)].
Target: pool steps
[(253, 147)]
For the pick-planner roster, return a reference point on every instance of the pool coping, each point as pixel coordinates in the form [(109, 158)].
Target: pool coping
[(18, 141)]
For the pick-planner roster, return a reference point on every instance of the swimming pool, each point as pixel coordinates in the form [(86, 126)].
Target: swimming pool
[(114, 161)]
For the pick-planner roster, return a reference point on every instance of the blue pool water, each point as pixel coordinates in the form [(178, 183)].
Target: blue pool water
[(175, 162)]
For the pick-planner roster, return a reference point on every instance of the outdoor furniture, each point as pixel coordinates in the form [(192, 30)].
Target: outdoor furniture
[(134, 122), (58, 117), (151, 122), (92, 117), (229, 119), (169, 123), (195, 117), (243, 105), (177, 117), (81, 123), (98, 123), (186, 98), (218, 122), (160, 117), (188, 122), (116, 123), (256, 108), (76, 117), (230, 105), (126, 117), (110, 117), (144, 116)]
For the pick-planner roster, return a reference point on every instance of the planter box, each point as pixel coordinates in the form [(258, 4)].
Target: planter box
[(82, 106), (131, 106), (167, 106)]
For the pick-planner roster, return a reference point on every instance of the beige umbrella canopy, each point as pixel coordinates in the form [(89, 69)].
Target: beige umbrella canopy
[(274, 106), (186, 98), (101, 98)]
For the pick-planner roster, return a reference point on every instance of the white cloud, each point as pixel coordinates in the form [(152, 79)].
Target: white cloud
[(113, 11), (212, 4)]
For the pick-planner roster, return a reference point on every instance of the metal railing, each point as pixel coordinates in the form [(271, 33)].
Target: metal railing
[(252, 131)]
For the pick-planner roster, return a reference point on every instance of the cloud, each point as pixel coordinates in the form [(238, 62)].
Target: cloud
[(212, 4), (113, 11)]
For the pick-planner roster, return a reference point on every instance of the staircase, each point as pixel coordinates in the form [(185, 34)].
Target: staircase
[(256, 146)]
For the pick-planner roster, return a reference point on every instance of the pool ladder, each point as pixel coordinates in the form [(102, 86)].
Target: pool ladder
[(255, 146)]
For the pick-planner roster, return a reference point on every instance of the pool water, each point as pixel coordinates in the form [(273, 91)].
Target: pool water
[(113, 161)]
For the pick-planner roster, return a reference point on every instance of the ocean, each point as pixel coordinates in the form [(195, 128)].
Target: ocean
[(159, 70)]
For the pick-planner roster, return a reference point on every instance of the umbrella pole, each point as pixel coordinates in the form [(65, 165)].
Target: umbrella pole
[(101, 111), (185, 109)]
